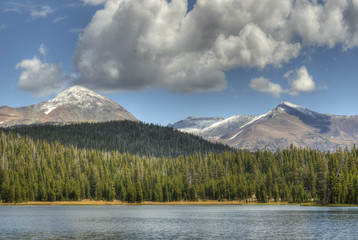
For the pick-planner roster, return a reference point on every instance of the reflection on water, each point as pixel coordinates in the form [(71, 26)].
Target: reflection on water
[(173, 222)]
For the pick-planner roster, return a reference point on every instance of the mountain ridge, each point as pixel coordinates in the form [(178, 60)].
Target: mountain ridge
[(73, 105), (287, 124)]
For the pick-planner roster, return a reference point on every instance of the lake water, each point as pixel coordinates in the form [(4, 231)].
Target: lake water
[(178, 222)]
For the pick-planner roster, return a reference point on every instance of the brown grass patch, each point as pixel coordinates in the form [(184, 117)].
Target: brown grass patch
[(117, 202)]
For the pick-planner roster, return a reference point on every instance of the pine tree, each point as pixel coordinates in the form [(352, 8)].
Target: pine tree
[(139, 193)]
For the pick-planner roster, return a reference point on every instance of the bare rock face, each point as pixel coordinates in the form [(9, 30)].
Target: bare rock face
[(75, 104), (285, 125)]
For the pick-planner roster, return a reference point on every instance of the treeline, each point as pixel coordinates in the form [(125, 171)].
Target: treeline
[(123, 136), (37, 170)]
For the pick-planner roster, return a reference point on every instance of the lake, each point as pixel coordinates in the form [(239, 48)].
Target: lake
[(178, 222)]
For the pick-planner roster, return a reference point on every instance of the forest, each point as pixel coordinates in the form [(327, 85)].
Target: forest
[(36, 169), (124, 136)]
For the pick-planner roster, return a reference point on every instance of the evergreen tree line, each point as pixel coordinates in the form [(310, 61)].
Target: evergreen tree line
[(38, 170), (123, 136)]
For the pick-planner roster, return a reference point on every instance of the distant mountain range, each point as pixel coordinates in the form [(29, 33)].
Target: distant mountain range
[(284, 125), (75, 104), (278, 128)]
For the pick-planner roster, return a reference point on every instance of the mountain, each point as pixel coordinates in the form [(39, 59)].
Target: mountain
[(75, 104), (287, 123), (195, 124)]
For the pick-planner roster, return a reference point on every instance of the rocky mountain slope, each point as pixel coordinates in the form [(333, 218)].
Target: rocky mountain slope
[(195, 124), (283, 125), (75, 104)]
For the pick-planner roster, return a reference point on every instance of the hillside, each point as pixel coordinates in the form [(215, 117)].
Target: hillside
[(123, 136), (38, 170)]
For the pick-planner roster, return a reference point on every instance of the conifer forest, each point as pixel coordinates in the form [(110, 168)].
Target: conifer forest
[(103, 162)]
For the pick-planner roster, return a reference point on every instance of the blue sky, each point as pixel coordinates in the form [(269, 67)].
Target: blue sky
[(164, 61)]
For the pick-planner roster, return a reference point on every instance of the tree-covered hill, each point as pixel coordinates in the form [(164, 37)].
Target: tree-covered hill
[(38, 170), (123, 136)]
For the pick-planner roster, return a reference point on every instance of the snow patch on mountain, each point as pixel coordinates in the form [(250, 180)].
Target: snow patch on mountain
[(226, 122), (212, 128), (303, 110), (255, 119), (76, 96), (290, 105), (237, 134), (194, 124), (194, 131)]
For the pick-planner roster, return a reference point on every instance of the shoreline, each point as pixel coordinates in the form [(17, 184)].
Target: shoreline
[(117, 202), (178, 203)]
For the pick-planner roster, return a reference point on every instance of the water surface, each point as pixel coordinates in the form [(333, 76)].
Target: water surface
[(178, 222)]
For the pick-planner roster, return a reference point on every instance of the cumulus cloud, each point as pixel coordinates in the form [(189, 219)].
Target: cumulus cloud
[(157, 43), (40, 78), (42, 11), (300, 81), (317, 23), (43, 50), (350, 16), (262, 84)]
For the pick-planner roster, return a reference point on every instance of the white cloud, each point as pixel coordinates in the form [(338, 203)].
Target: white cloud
[(43, 50), (262, 84), (42, 11), (318, 23), (58, 19), (35, 11), (94, 2), (300, 81), (40, 78), (252, 48), (350, 16), (153, 43), (15, 7), (136, 44)]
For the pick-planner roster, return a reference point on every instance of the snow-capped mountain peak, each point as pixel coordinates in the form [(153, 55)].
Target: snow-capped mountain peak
[(75, 104), (287, 107), (76, 96), (290, 105), (282, 126)]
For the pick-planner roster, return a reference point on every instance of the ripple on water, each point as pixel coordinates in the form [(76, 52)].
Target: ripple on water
[(177, 222)]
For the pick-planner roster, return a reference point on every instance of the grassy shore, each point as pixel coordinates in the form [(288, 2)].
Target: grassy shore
[(200, 202), (116, 202), (328, 205)]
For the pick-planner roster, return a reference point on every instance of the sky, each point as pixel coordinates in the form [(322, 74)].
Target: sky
[(167, 60)]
